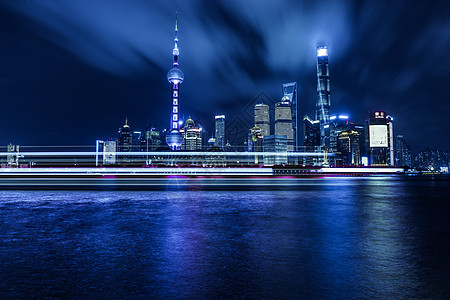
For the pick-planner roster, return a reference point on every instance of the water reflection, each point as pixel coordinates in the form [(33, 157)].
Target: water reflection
[(331, 238)]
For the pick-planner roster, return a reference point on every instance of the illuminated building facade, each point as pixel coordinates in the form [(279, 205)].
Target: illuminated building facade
[(137, 138), (432, 160), (311, 134), (275, 149), (13, 159), (283, 122), (380, 134), (338, 124), (290, 92), (219, 137), (109, 152), (151, 140), (256, 143), (192, 139), (348, 147), (361, 129), (323, 105), (402, 152), (125, 142), (175, 76), (262, 118)]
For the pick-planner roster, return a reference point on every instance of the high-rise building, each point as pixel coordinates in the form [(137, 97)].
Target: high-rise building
[(256, 143), (402, 152), (151, 140), (338, 123), (174, 138), (109, 152), (283, 122), (361, 129), (191, 136), (262, 118), (348, 147), (290, 91), (125, 142), (380, 137), (275, 149), (220, 132), (323, 105), (137, 138), (311, 134)]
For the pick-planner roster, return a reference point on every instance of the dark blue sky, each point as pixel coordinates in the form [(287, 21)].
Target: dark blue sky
[(71, 71)]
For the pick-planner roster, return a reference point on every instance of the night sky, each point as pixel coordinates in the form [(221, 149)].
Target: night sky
[(71, 71)]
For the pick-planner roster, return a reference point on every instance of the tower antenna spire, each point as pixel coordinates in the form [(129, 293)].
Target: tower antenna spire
[(176, 51)]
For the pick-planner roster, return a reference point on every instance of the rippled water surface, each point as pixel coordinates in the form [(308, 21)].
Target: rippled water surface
[(372, 237)]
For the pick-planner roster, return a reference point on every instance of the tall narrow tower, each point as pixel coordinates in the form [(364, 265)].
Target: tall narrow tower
[(174, 138), (290, 91), (323, 91), (220, 132)]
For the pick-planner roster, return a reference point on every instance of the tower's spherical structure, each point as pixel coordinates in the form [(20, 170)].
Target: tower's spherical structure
[(175, 76), (174, 139)]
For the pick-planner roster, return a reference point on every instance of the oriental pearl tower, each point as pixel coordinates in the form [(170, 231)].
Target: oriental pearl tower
[(174, 138)]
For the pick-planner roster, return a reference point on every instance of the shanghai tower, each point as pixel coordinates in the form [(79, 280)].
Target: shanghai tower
[(323, 91), (174, 138)]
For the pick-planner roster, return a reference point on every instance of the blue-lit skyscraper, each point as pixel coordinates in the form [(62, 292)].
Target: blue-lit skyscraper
[(220, 131), (174, 138), (323, 92)]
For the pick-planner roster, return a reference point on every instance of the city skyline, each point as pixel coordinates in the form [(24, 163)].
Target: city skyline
[(74, 98)]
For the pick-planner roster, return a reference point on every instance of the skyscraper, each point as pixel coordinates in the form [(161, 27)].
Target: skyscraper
[(220, 132), (338, 123), (151, 139), (191, 136), (348, 146), (109, 152), (323, 105), (283, 122), (402, 152), (125, 143), (275, 148), (311, 134), (290, 91), (380, 136), (125, 138), (174, 138), (256, 143), (262, 118)]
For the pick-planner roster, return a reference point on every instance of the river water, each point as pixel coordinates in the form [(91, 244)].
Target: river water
[(341, 237)]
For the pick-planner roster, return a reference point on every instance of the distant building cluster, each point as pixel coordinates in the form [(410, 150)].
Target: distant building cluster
[(275, 132)]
